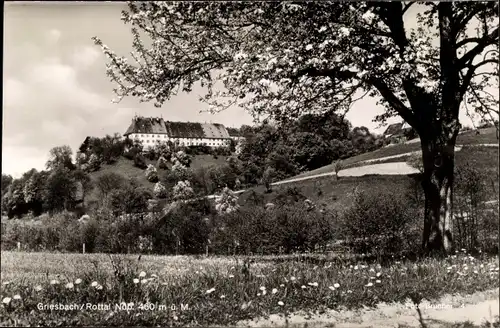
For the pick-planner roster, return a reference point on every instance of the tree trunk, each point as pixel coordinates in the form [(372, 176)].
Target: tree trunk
[(438, 159)]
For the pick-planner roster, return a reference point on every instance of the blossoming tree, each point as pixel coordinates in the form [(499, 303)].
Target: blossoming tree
[(283, 59)]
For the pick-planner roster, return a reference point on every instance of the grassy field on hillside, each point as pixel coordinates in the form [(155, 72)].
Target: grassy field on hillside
[(335, 194), (486, 136), (218, 291), (126, 168)]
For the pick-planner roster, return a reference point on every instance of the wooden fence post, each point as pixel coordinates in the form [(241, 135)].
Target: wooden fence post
[(18, 246), (83, 248)]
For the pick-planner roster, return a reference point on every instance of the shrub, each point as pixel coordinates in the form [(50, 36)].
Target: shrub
[(94, 163), (267, 178), (337, 167), (179, 170), (162, 163), (140, 161), (130, 199), (159, 190), (182, 158), (132, 152), (382, 224), (287, 229), (474, 228), (151, 174), (227, 202), (182, 190)]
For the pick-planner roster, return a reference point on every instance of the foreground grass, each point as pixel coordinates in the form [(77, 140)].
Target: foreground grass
[(217, 290)]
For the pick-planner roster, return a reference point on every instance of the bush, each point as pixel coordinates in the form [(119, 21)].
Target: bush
[(162, 163), (227, 202), (94, 163), (474, 228), (159, 190), (268, 177), (130, 199), (151, 174), (182, 158), (382, 224), (140, 161), (183, 190), (283, 229), (132, 153), (179, 171)]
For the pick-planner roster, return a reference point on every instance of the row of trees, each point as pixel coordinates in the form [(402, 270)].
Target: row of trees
[(61, 187), (307, 143)]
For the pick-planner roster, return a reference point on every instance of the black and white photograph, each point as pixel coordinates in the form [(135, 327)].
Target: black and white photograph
[(304, 164)]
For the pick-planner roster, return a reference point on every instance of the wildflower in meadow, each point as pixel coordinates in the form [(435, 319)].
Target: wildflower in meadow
[(378, 281), (378, 274), (142, 274), (231, 276), (69, 285), (99, 287), (38, 288), (336, 285), (292, 278), (280, 303), (94, 284), (6, 283), (144, 281), (369, 284), (210, 291), (303, 287), (262, 288), (78, 281), (136, 281), (349, 291), (6, 300), (17, 297), (282, 285), (54, 282), (331, 288), (356, 267), (223, 296), (274, 291)]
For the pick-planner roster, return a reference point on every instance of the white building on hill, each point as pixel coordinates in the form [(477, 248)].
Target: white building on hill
[(150, 130)]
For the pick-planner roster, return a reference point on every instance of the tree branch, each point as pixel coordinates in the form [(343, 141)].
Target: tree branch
[(407, 6), (395, 102), (486, 40)]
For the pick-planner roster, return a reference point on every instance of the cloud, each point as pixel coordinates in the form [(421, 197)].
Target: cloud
[(45, 107), (53, 36), (84, 57)]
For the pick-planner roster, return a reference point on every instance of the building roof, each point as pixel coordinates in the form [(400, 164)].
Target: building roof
[(177, 129)]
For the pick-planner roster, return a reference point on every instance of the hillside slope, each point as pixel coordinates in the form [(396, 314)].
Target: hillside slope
[(486, 136), (126, 168)]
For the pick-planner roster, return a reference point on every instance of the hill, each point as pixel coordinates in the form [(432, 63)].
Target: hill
[(485, 136), (325, 190), (126, 168)]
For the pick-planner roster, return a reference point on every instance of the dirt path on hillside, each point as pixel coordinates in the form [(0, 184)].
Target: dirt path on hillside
[(475, 308)]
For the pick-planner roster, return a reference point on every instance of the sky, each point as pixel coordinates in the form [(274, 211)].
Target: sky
[(56, 91)]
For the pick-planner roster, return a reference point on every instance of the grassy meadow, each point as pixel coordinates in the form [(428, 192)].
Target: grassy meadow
[(486, 136), (179, 291)]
